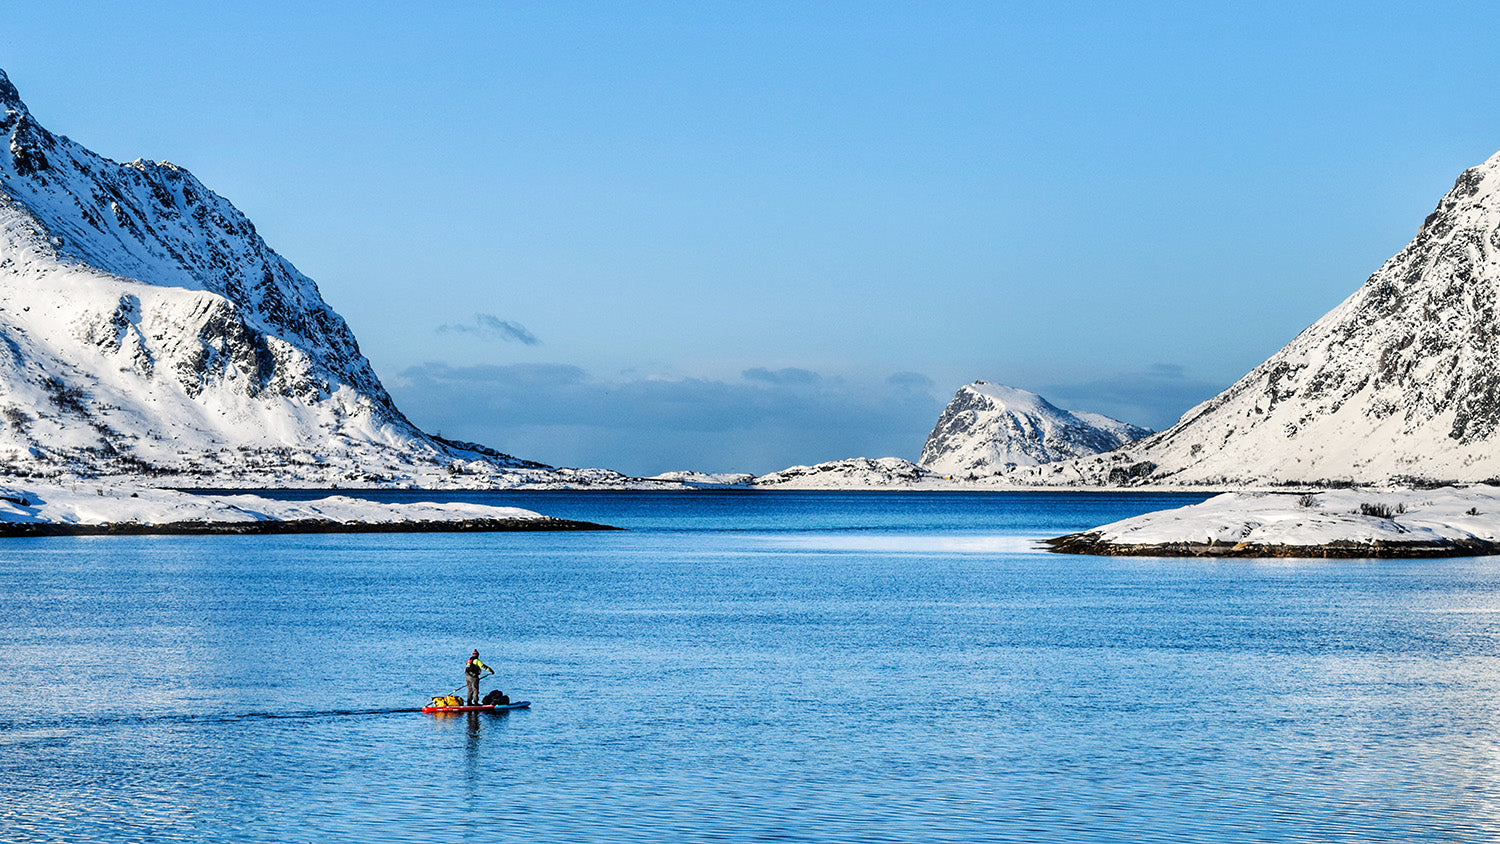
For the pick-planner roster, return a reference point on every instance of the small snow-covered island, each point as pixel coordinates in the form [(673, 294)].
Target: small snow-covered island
[(1338, 523)]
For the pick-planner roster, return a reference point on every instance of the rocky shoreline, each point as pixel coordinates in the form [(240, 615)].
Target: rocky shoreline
[(290, 526), (1094, 543)]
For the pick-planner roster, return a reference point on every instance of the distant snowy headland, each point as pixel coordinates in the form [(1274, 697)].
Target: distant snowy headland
[(103, 509)]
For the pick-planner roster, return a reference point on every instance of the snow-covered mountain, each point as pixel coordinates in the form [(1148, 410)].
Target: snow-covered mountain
[(1398, 384), (147, 329), (854, 473), (691, 479), (989, 428)]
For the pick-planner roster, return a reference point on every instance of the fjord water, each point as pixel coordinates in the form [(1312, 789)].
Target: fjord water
[(743, 666)]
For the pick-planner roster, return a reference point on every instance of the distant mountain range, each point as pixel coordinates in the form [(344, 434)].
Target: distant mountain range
[(1398, 385), (984, 431), (146, 329)]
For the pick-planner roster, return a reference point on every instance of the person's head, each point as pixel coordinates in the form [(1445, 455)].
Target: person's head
[(474, 654)]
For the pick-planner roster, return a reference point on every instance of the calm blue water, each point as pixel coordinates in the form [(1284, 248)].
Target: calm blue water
[(743, 667)]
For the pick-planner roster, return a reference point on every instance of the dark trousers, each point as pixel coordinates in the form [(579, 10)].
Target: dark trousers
[(473, 689)]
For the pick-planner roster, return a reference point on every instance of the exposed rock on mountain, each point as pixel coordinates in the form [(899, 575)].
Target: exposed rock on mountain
[(989, 428), (1398, 384), (147, 329)]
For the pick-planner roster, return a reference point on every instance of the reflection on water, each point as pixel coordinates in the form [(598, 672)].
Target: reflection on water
[(471, 750), (823, 668)]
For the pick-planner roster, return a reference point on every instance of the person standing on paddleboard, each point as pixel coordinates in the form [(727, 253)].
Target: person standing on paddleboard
[(472, 670)]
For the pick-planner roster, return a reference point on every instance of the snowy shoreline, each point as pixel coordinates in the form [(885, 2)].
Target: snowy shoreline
[(101, 510), (1362, 523), (282, 526)]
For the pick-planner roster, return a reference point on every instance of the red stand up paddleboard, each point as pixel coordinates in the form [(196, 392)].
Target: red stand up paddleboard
[(487, 707)]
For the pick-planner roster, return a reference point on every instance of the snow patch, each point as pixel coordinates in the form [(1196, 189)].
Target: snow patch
[(705, 479), (855, 473)]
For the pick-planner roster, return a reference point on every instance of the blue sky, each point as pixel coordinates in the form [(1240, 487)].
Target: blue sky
[(738, 236)]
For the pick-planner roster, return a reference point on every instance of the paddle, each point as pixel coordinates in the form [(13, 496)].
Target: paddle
[(465, 686)]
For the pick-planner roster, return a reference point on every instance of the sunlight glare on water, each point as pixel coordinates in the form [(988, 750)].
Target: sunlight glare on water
[(905, 544)]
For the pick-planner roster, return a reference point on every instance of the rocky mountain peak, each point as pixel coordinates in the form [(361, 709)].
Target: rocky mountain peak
[(988, 428), (10, 98), (29, 142)]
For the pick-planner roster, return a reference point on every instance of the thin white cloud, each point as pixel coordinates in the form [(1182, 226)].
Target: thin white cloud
[(491, 327)]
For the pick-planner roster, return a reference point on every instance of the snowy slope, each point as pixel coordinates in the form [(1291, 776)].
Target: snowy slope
[(114, 504), (989, 428), (854, 473), (147, 329), (1398, 384), (692, 479)]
